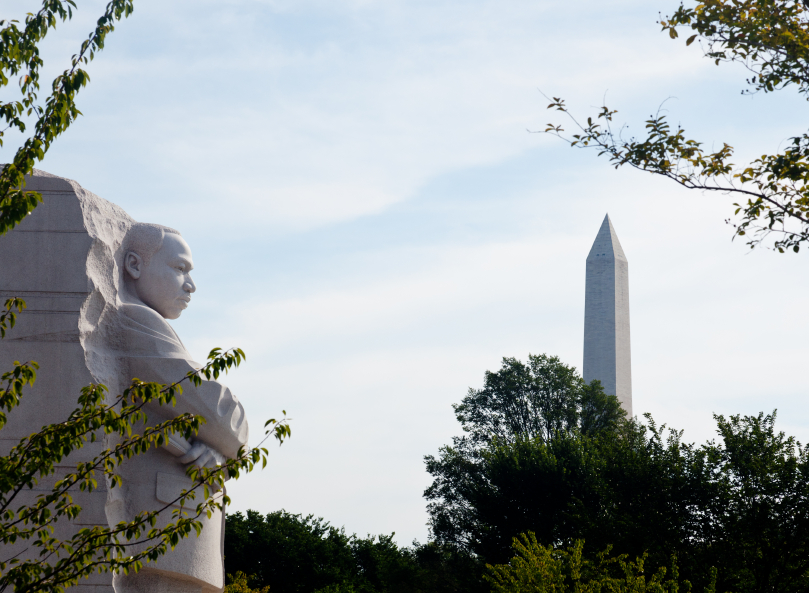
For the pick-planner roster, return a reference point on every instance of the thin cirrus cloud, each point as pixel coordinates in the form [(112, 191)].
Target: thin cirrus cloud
[(390, 93)]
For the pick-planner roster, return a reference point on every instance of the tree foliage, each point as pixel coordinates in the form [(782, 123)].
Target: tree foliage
[(543, 401), (771, 39), (292, 553), (619, 487), (749, 511), (241, 583), (740, 503), (539, 399), (20, 63), (535, 568)]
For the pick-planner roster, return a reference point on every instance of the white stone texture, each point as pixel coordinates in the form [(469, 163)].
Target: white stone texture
[(60, 260), (66, 261), (607, 355)]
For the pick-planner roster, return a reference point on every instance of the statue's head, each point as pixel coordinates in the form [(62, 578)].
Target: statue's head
[(157, 268)]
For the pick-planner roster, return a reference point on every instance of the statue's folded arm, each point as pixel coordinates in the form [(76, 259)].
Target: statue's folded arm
[(225, 428)]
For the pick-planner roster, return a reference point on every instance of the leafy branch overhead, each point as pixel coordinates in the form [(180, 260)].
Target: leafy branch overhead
[(20, 62), (8, 317), (771, 39)]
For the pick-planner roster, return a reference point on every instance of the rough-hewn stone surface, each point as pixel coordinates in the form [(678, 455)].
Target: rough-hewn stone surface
[(61, 260), (607, 354)]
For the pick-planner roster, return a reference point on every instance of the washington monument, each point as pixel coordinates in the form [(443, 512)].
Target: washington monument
[(606, 317)]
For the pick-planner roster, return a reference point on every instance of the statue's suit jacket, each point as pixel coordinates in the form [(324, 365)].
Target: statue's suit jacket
[(152, 351)]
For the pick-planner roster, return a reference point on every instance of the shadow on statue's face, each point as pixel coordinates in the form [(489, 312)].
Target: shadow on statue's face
[(165, 283)]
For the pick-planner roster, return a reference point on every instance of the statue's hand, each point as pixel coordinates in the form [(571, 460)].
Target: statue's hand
[(202, 455), (197, 453)]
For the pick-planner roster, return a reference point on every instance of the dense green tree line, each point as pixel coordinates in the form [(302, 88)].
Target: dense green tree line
[(292, 553)]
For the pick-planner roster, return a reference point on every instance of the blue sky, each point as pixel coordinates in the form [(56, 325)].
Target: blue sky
[(372, 222)]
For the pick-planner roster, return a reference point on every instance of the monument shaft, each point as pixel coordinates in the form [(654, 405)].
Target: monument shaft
[(606, 317)]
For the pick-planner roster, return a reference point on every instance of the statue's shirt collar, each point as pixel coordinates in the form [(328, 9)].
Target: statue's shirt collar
[(146, 333)]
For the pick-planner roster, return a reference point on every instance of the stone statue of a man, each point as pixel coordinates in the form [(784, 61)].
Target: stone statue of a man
[(156, 285)]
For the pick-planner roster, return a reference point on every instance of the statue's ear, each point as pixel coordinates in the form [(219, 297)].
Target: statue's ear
[(133, 264)]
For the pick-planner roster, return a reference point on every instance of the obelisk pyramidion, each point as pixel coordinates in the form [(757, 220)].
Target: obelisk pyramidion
[(606, 317)]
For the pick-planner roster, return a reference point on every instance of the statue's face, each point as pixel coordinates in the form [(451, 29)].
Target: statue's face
[(165, 283)]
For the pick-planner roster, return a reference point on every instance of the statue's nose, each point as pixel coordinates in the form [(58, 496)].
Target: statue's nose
[(189, 285)]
